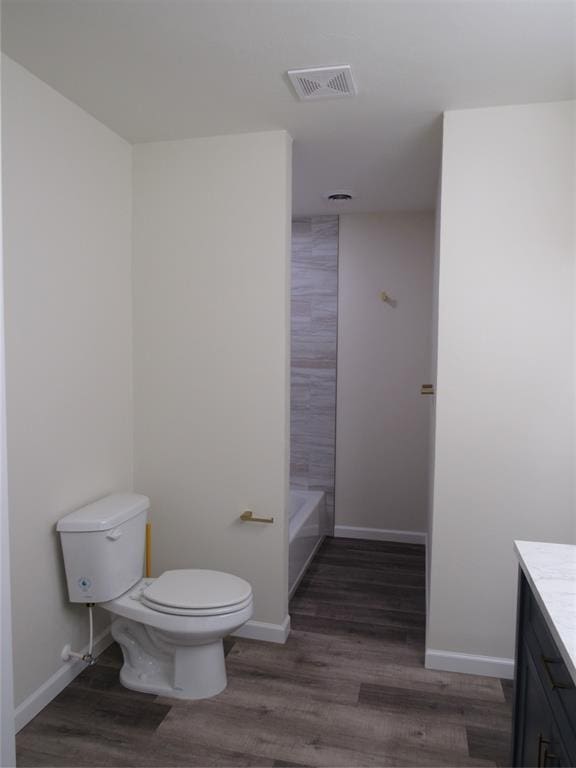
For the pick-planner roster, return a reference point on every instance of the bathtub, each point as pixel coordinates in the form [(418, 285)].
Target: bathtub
[(306, 530)]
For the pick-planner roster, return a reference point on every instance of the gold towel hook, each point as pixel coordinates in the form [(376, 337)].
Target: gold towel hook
[(387, 299)]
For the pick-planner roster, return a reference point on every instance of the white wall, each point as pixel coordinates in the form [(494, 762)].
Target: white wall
[(211, 355), (383, 359), (67, 230), (504, 464)]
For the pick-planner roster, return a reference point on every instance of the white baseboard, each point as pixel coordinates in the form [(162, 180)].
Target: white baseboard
[(43, 695), (450, 661), (261, 630), (379, 534)]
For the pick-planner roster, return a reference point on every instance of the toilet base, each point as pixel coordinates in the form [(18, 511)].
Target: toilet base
[(154, 665)]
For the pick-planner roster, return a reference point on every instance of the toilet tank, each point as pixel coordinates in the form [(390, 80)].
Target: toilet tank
[(103, 546)]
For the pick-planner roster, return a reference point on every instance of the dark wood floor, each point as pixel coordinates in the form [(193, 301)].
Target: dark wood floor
[(348, 689)]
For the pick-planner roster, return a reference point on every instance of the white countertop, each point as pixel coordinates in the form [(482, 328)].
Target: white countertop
[(551, 572)]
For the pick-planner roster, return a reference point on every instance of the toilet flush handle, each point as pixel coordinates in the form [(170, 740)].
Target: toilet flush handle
[(114, 535)]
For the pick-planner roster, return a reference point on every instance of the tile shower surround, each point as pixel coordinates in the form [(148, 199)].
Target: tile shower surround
[(314, 336)]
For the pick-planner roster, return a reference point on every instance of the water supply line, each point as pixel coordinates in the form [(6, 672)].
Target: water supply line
[(91, 623), (88, 658)]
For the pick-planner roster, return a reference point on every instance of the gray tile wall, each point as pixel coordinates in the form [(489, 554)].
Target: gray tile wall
[(314, 342)]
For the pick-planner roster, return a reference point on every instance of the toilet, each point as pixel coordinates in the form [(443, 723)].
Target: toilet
[(170, 628)]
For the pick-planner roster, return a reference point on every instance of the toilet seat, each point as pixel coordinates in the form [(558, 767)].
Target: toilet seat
[(196, 592)]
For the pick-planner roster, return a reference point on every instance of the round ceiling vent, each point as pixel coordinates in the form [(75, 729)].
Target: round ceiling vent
[(339, 196)]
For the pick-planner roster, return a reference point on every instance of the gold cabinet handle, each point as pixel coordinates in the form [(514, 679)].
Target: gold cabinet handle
[(248, 517), (427, 389)]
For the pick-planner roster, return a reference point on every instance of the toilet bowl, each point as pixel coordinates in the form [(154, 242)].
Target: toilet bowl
[(170, 628)]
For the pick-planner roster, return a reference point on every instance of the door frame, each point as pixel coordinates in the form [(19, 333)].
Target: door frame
[(7, 748)]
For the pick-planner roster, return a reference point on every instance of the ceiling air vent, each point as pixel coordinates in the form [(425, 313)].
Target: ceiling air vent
[(323, 82), (339, 196)]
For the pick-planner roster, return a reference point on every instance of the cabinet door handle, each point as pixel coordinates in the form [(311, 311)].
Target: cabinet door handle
[(546, 661), (541, 742), (548, 756)]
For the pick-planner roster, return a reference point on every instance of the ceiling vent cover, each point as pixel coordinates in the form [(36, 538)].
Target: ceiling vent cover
[(323, 82)]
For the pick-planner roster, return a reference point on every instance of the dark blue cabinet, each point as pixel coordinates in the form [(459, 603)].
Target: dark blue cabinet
[(544, 732)]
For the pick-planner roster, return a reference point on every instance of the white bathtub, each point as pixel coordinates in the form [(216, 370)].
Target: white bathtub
[(306, 529)]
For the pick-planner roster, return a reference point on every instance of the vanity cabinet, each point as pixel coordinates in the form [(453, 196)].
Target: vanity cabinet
[(544, 726)]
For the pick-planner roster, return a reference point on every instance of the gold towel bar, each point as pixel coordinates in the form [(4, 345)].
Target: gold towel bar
[(248, 517)]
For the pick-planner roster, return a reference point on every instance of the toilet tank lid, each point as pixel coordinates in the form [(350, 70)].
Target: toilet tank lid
[(104, 514)]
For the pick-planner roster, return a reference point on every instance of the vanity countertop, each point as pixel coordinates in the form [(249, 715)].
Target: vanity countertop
[(551, 572)]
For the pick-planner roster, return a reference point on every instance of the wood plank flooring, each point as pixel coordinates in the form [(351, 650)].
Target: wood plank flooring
[(348, 689)]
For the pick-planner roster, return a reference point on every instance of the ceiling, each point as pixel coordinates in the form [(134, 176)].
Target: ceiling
[(172, 69)]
